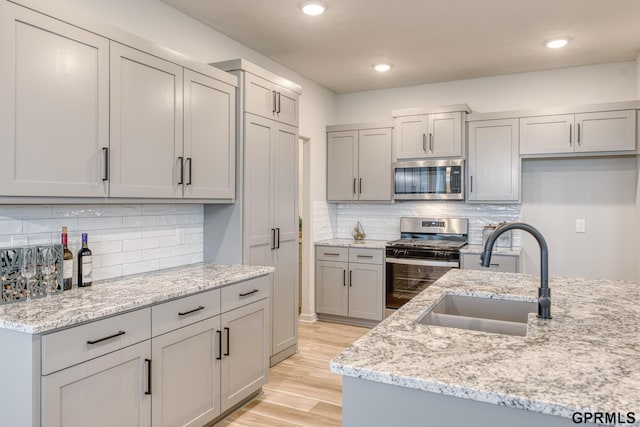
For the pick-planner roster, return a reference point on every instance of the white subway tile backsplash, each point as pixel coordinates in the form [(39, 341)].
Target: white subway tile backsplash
[(119, 235), (382, 221), (11, 226)]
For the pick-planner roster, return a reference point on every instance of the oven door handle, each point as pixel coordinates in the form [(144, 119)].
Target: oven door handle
[(430, 263)]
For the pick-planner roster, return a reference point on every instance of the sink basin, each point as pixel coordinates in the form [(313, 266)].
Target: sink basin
[(497, 316)]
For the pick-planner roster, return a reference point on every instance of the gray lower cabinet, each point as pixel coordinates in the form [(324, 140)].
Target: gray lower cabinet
[(504, 263), (347, 289), (103, 392), (180, 363)]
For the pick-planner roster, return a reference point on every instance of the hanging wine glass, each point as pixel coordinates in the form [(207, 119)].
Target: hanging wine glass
[(29, 268)]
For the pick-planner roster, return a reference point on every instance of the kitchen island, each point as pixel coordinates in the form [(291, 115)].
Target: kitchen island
[(101, 355), (583, 362)]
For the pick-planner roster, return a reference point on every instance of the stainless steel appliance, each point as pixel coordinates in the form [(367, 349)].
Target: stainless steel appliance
[(429, 180), (426, 250)]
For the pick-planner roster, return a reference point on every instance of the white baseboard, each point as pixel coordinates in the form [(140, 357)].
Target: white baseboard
[(308, 318)]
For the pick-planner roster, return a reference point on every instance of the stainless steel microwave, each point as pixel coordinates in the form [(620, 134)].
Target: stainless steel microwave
[(429, 180)]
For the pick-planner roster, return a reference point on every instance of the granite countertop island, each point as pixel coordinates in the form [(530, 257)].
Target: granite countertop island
[(114, 296), (586, 359)]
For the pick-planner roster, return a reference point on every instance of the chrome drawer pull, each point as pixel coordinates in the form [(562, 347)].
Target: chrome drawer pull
[(365, 256), (331, 254), (249, 293), (191, 311), (107, 338)]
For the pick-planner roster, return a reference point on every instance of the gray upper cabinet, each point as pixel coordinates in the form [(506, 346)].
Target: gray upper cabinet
[(268, 99), (146, 125), (130, 117), (54, 108), (359, 163), (428, 135), (209, 137), (494, 163), (590, 132)]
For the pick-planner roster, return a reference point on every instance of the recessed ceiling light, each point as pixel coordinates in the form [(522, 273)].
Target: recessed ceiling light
[(381, 67), (313, 8), (557, 43)]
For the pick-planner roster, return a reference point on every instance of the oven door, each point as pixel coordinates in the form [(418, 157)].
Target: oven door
[(407, 277)]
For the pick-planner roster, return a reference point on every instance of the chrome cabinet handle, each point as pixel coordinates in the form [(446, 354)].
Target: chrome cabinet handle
[(278, 244), (105, 153), (365, 256), (190, 167), (273, 238), (331, 254), (190, 311), (273, 109), (431, 142), (350, 284), (344, 277), (579, 134), (244, 294), (279, 104), (570, 134), (424, 142), (354, 186), (360, 188), (117, 334), (471, 184)]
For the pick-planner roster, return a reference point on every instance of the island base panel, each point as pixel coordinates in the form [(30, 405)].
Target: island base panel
[(368, 404)]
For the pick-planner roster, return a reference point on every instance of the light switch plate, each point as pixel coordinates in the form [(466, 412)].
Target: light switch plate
[(581, 226)]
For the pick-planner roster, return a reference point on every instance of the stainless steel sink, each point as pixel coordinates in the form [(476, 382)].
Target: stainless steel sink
[(497, 316)]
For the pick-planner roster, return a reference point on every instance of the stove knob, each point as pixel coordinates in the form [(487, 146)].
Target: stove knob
[(405, 252)]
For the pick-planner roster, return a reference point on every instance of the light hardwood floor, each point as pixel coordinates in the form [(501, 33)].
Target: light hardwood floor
[(301, 389)]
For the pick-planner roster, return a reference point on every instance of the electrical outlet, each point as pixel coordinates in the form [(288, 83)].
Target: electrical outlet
[(581, 226)]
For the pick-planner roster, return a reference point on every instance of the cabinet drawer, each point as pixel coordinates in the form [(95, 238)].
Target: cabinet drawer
[(74, 345), (365, 256), (244, 293), (184, 311), (332, 253), (505, 263)]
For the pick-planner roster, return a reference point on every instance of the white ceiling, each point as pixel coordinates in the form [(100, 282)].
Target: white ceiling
[(427, 41)]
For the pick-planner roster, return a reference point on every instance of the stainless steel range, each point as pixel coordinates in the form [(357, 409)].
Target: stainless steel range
[(427, 249)]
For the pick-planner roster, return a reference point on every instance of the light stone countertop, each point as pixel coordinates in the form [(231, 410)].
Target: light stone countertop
[(587, 358), (351, 243), (477, 250), (114, 296)]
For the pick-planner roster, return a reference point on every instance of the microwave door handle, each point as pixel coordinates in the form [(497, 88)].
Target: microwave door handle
[(447, 179)]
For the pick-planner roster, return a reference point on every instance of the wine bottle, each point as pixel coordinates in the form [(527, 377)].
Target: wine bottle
[(84, 264), (67, 262)]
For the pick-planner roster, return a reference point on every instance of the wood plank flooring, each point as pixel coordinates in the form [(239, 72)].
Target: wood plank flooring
[(301, 389)]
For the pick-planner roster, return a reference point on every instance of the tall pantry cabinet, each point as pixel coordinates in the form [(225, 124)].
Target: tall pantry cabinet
[(268, 165)]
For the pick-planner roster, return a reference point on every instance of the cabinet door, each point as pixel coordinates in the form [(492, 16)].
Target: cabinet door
[(547, 134), (209, 137), (104, 392), (285, 257), (411, 137), (54, 108), (258, 190), (245, 366), (146, 125), (504, 263), (186, 375), (494, 163), (287, 106), (259, 98), (342, 165), (606, 131), (366, 291), (444, 137), (374, 164), (332, 292)]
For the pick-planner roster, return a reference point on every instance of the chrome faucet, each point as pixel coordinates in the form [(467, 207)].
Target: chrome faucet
[(544, 293)]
